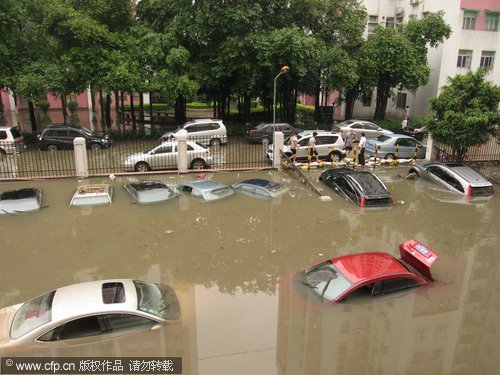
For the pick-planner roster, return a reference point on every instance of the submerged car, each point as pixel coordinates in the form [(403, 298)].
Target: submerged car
[(362, 188), (208, 132), (207, 190), (149, 191), (401, 145), (165, 156), (374, 273), (260, 188), (92, 195), (20, 201), (370, 129), (77, 313), (456, 177)]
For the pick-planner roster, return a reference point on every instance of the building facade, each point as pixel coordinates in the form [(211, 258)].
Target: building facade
[(474, 43)]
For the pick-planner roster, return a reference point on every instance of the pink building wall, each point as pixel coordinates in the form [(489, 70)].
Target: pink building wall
[(482, 6)]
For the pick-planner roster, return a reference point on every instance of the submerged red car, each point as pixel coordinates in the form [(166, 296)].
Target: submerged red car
[(376, 273)]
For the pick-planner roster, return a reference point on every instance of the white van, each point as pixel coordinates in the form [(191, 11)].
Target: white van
[(11, 140)]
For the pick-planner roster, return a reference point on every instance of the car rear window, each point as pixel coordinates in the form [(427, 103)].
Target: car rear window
[(370, 184), (378, 202), (481, 191), (18, 194), (32, 315), (16, 133)]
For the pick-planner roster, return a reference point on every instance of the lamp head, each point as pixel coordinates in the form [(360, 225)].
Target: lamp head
[(284, 69)]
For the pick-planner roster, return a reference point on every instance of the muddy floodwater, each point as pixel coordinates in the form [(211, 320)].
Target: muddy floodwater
[(230, 262)]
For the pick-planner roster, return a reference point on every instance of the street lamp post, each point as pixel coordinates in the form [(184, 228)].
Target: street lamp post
[(283, 70)]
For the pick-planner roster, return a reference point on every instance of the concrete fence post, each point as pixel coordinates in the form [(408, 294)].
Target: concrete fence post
[(182, 158), (81, 160), (429, 151), (278, 144)]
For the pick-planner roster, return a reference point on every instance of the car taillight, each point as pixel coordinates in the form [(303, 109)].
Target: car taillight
[(18, 140), (250, 133), (469, 191), (363, 202)]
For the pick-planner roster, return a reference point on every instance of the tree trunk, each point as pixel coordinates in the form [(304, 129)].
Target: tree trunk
[(108, 110), (141, 107), (350, 98), (383, 90), (32, 116), (316, 103), (103, 110), (132, 112), (64, 105), (180, 110)]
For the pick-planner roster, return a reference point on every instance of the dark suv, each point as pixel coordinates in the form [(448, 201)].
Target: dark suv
[(263, 133), (60, 137)]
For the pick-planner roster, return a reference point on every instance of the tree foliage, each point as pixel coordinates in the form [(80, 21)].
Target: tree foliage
[(465, 112)]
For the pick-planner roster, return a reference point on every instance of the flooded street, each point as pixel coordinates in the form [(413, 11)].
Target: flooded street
[(230, 263)]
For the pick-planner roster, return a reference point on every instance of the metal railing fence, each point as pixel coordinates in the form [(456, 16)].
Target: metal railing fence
[(237, 154), (490, 151)]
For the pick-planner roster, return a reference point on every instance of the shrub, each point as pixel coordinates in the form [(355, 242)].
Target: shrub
[(72, 106), (44, 105)]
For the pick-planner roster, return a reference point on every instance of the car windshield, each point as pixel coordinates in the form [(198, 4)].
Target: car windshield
[(383, 138), (32, 315), (327, 281), (260, 126), (86, 131), (218, 193), (158, 300)]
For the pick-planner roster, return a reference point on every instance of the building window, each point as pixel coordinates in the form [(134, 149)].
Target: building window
[(487, 59), (399, 20), (469, 22), (367, 100), (401, 100), (389, 22), (464, 58), (372, 23), (491, 21)]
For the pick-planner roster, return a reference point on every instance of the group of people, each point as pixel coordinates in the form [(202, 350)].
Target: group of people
[(349, 140)]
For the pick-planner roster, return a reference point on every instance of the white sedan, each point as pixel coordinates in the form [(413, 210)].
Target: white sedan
[(370, 129), (87, 310)]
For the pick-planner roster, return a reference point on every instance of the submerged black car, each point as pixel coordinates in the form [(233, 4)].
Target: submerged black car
[(360, 187)]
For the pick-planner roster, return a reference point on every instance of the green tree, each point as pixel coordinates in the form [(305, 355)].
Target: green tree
[(465, 112), (398, 56)]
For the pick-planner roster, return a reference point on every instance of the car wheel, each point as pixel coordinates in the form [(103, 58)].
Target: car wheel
[(215, 142), (95, 146), (52, 148), (414, 171), (335, 157), (390, 157), (265, 141), (142, 167), (198, 164)]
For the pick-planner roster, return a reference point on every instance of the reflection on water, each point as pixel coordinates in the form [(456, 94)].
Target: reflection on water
[(228, 261)]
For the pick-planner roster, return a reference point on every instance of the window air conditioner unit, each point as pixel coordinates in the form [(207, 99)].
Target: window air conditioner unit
[(414, 2), (400, 10)]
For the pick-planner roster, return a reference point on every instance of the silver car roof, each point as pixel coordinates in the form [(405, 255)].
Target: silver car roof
[(86, 299), (469, 174)]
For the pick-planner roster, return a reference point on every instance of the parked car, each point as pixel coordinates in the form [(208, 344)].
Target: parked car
[(263, 133), (92, 195), (88, 311), (330, 146), (60, 137), (374, 274), (207, 190), (456, 177), (260, 188), (208, 132), (165, 155), (11, 140), (387, 147), (370, 129), (20, 200), (149, 191), (362, 188)]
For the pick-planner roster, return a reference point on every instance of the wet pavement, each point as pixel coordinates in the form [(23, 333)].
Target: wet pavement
[(230, 263)]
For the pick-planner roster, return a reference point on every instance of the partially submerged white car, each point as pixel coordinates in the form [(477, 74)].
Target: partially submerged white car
[(75, 313), (20, 201), (92, 195), (207, 190)]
